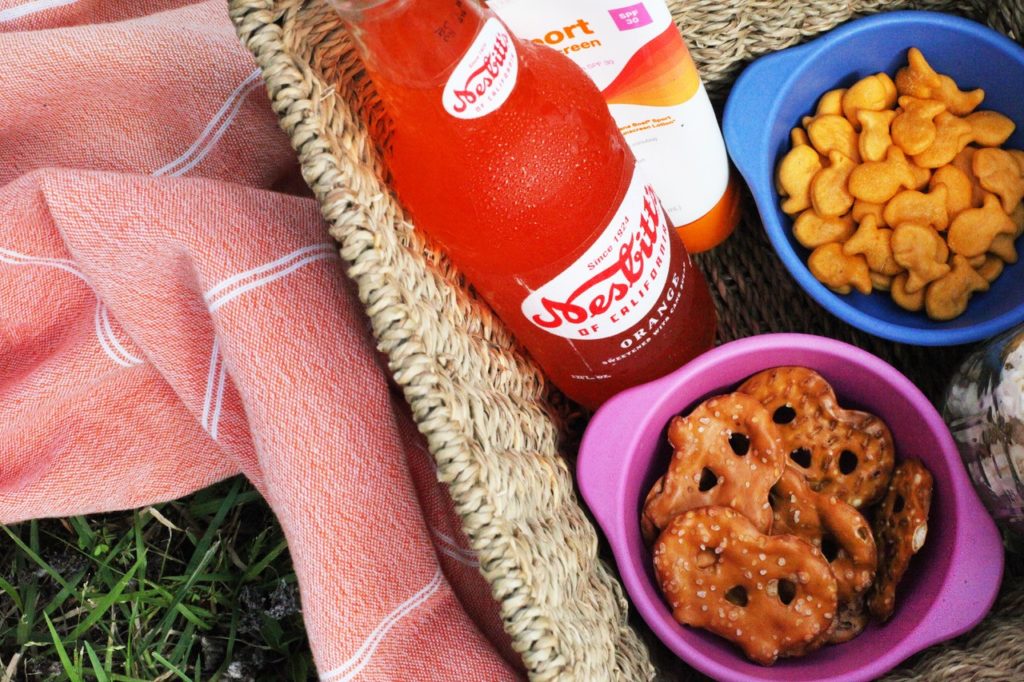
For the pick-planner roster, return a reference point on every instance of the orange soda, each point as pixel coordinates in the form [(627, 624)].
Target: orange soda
[(504, 152)]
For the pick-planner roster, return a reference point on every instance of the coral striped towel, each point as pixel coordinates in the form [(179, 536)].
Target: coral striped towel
[(172, 312)]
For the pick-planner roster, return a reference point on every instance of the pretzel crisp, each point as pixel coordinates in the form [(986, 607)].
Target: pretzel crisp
[(837, 529), (851, 619), (774, 595), (725, 453), (901, 527), (846, 453)]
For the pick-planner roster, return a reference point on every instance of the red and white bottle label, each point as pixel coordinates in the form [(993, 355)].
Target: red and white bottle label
[(617, 281), (485, 76)]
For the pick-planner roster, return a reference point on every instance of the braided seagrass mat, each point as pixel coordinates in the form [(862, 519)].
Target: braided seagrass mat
[(502, 440)]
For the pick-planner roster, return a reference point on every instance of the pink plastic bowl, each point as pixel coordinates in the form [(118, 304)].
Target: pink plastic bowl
[(951, 583)]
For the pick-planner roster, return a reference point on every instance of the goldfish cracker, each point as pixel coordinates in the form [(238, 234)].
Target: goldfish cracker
[(972, 231), (914, 128), (990, 128), (881, 282), (952, 134), (878, 181), (874, 139), (958, 102), (897, 198), (964, 161), (959, 191), (796, 170), (1017, 216), (812, 230), (862, 208), (891, 94), (920, 250), (947, 297), (1018, 156), (839, 272), (997, 171), (919, 79), (921, 175), (903, 298), (874, 244), (1004, 248), (991, 268), (828, 191), (831, 103), (911, 206), (829, 132), (875, 93)]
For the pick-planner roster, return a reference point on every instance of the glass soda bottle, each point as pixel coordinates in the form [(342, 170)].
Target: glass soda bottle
[(505, 153)]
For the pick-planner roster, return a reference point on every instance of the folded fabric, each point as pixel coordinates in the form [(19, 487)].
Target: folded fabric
[(172, 312)]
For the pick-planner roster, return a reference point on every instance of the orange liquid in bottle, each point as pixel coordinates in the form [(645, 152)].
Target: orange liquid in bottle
[(536, 199)]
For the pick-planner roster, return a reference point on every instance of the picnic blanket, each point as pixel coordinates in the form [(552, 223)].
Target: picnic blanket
[(172, 312)]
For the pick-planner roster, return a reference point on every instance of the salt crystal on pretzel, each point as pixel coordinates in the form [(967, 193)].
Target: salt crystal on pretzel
[(840, 452), (901, 527), (774, 596), (725, 453)]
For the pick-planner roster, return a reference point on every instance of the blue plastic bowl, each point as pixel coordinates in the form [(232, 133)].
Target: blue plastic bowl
[(776, 91)]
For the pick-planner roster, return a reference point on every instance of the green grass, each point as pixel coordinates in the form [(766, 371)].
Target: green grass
[(197, 589)]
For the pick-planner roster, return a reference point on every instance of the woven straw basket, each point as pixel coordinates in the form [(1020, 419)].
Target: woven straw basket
[(502, 440)]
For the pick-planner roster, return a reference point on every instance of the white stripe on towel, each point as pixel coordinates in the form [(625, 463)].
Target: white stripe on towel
[(15, 258), (114, 342), (24, 10), (211, 385), (237, 285), (350, 668), (213, 131), (101, 317), (452, 548), (215, 417), (105, 343)]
